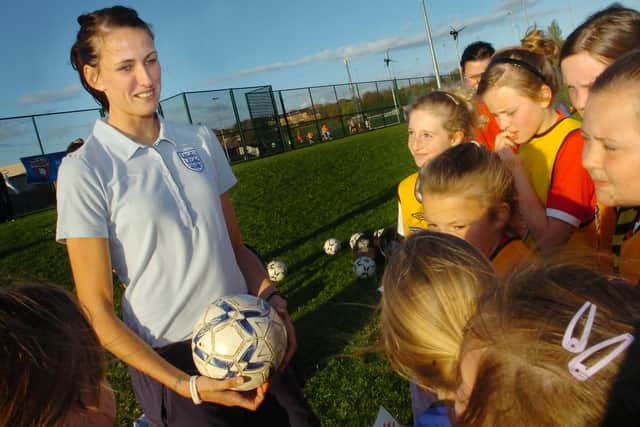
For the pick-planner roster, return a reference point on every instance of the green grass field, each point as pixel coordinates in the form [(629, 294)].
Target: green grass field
[(287, 206)]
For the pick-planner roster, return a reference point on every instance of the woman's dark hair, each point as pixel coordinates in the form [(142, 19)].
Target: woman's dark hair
[(476, 52), (92, 25), (50, 357)]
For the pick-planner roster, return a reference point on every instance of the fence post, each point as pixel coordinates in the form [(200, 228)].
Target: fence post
[(315, 114), (275, 110), (240, 130), (35, 127), (286, 120), (186, 106), (394, 88), (344, 130)]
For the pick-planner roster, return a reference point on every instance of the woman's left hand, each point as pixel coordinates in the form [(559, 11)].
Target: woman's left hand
[(280, 306)]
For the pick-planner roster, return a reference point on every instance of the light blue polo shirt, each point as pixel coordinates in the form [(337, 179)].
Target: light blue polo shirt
[(160, 208)]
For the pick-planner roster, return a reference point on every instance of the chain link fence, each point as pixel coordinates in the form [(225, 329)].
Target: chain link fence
[(249, 122)]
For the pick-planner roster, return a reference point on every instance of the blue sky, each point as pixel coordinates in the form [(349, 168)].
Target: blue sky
[(219, 44)]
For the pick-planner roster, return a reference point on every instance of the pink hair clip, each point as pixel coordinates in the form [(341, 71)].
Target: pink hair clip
[(579, 345)]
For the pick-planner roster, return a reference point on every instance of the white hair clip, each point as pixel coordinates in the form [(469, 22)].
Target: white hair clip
[(579, 345), (571, 343), (582, 372)]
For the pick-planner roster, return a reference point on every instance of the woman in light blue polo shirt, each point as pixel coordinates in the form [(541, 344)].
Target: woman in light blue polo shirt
[(149, 199)]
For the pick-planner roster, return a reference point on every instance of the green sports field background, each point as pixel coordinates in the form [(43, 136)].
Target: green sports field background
[(288, 205)]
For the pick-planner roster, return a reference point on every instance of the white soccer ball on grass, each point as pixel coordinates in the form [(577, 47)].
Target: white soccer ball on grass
[(332, 246), (239, 335), (277, 270), (354, 238)]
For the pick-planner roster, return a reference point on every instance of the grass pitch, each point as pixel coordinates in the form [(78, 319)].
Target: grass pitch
[(288, 205)]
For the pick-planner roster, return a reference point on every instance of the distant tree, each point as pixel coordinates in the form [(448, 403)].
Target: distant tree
[(555, 32)]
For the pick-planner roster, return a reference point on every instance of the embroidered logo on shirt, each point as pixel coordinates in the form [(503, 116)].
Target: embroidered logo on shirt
[(192, 160)]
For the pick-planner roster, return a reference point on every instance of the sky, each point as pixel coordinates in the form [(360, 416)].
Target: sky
[(213, 44)]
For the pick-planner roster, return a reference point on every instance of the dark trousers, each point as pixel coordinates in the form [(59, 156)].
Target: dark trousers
[(6, 207), (284, 404)]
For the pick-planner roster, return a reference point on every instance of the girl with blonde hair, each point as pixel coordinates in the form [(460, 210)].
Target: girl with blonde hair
[(469, 192), (430, 288), (553, 346), (556, 194), (437, 121), (611, 155)]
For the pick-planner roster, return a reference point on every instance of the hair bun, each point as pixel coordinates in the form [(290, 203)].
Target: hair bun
[(84, 20), (537, 41)]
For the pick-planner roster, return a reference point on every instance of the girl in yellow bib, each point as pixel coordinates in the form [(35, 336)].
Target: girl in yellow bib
[(469, 192), (556, 194), (612, 156), (437, 121)]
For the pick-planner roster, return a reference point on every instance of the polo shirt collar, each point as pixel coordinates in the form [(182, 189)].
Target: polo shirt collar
[(123, 146)]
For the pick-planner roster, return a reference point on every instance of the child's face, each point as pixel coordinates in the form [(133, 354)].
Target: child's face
[(462, 217), (579, 71), (519, 116), (611, 151), (427, 136)]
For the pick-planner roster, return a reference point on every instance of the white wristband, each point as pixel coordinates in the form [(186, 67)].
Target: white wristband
[(193, 388)]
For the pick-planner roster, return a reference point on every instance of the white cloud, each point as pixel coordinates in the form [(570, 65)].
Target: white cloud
[(53, 95), (514, 6), (394, 43)]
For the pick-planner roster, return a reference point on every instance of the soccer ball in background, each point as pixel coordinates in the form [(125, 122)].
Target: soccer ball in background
[(239, 335), (332, 246), (378, 233), (277, 270), (364, 267), (363, 244), (354, 238)]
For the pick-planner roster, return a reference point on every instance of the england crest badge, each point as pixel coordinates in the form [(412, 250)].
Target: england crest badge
[(191, 159)]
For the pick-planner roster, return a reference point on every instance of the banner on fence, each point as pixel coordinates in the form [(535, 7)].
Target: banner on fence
[(42, 169)]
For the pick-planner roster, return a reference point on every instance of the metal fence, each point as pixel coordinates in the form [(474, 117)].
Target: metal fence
[(249, 122)]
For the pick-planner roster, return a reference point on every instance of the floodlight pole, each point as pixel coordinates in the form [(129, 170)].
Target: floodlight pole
[(524, 10), (393, 87), (347, 64), (459, 66), (434, 60)]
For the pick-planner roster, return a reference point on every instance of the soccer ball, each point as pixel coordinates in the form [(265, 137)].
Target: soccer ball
[(378, 233), (354, 238), (277, 270), (364, 267), (332, 246), (239, 335), (363, 244)]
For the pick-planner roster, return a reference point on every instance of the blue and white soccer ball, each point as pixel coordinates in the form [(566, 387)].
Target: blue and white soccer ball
[(332, 246), (354, 239), (277, 270), (364, 267), (239, 335)]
